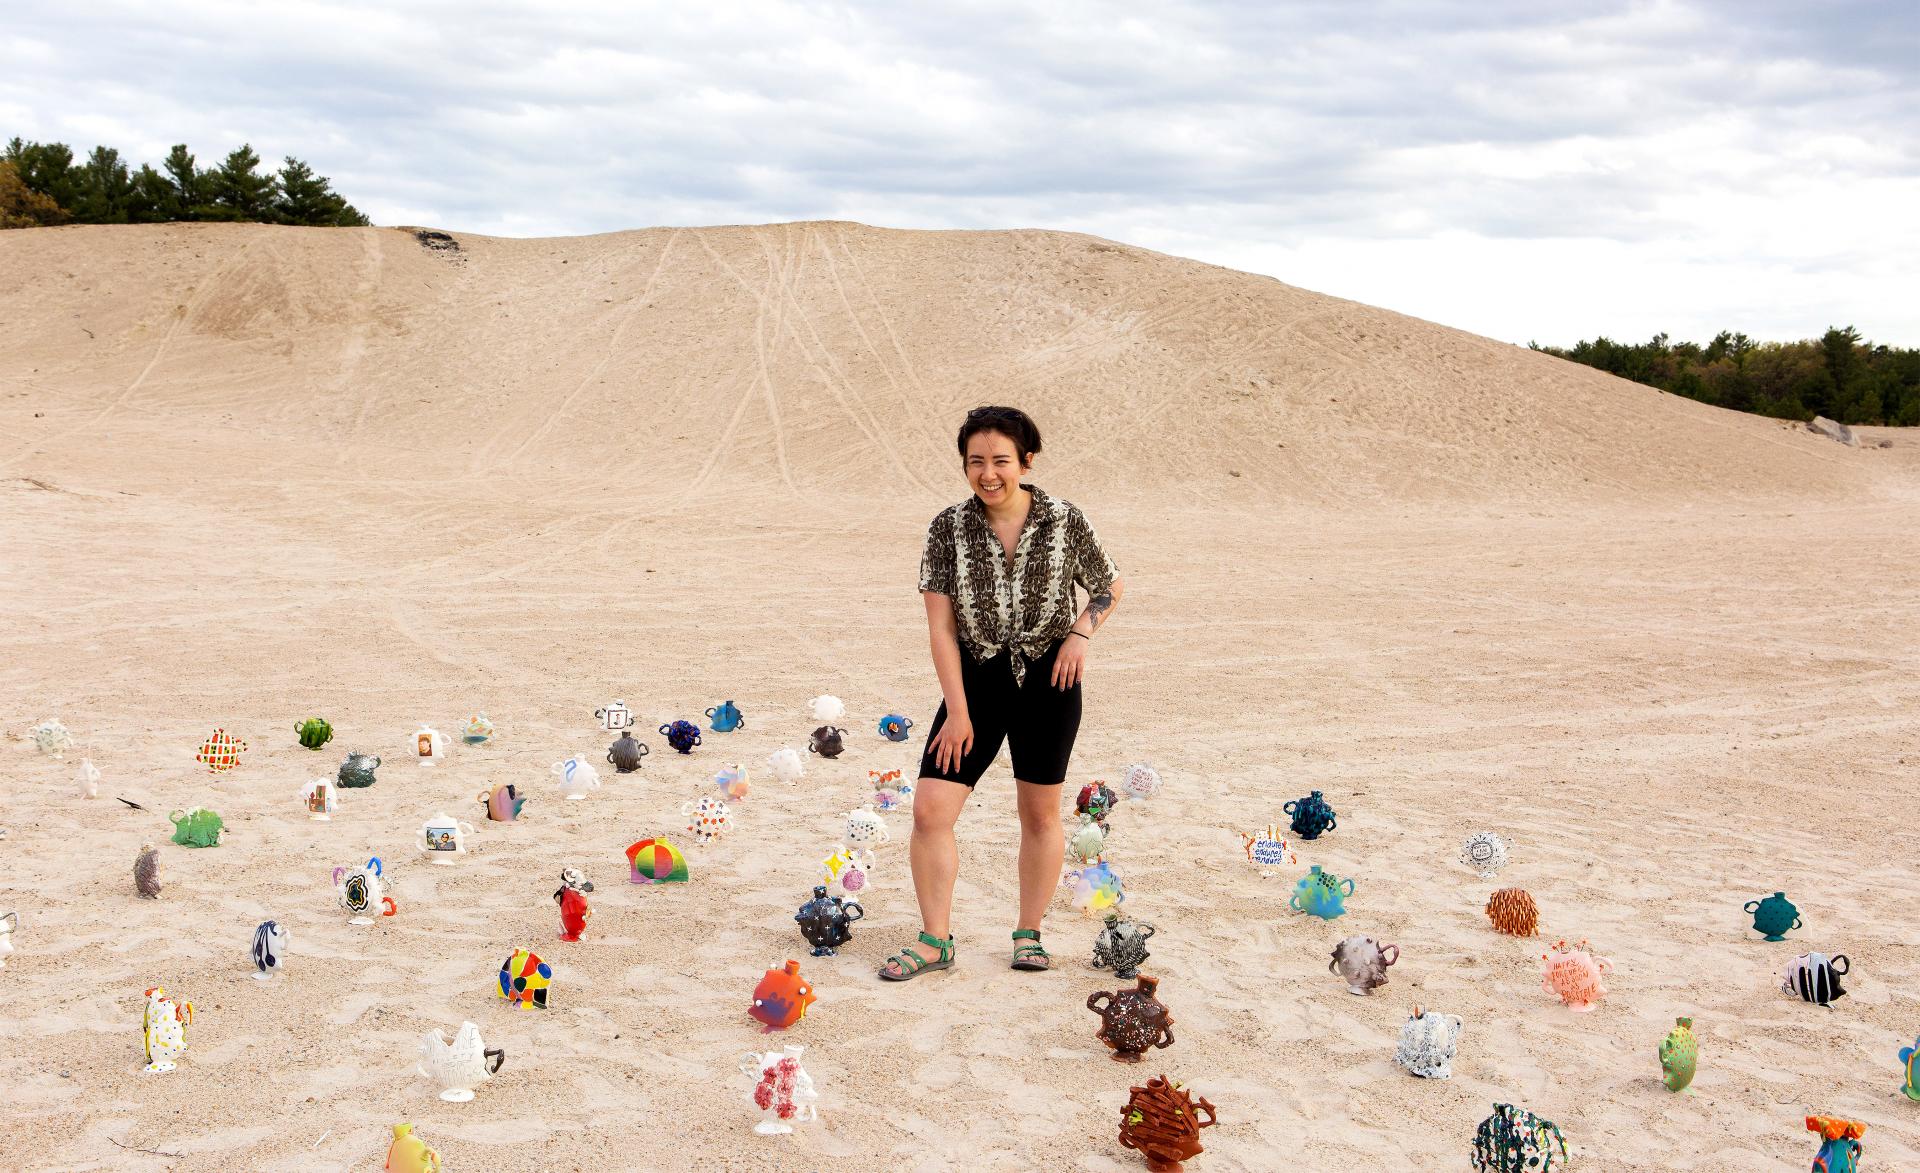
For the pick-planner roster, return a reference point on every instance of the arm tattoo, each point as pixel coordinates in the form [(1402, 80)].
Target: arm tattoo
[(1098, 606)]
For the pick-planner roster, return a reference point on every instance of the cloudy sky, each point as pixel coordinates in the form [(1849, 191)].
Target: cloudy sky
[(1527, 169)]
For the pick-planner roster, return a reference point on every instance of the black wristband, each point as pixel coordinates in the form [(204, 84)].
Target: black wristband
[(1083, 635)]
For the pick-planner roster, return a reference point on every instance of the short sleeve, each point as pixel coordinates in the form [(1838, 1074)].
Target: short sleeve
[(1092, 569), (937, 562)]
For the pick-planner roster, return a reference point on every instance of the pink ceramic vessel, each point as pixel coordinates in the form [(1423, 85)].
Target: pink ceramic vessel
[(1574, 974)]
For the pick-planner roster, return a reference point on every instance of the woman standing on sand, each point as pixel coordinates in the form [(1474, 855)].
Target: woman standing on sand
[(1010, 650)]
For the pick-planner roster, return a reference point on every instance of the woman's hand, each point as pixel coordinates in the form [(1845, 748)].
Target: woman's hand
[(952, 743), (1070, 662)]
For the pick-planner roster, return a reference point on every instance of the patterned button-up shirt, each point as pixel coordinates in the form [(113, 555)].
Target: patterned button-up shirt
[(1022, 611)]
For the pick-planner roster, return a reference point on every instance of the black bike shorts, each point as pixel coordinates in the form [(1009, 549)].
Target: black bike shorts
[(1036, 720)]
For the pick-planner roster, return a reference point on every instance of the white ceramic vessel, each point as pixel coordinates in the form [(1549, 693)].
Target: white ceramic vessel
[(826, 708), (460, 1066), (577, 777), (1427, 1044), (443, 838)]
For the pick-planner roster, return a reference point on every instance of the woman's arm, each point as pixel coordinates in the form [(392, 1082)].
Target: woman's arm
[(1099, 608), (1070, 663), (955, 739)]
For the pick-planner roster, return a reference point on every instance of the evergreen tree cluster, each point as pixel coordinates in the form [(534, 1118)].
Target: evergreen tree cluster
[(1836, 375), (41, 184)]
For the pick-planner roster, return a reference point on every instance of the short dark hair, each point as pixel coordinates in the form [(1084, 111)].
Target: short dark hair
[(1011, 422)]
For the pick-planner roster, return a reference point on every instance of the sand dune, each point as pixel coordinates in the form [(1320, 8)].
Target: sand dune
[(251, 473)]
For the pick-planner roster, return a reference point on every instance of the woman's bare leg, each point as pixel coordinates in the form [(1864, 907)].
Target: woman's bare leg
[(935, 856), (1042, 847)]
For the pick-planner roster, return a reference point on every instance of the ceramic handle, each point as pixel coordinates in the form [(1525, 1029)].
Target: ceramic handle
[(663, 730), (1390, 960), (1093, 1000), (1333, 824), (1796, 922), (467, 828), (374, 863), (1287, 808), (1200, 1107), (1840, 963), (740, 724), (710, 711), (185, 1013), (1144, 930), (1753, 906), (387, 906), (1166, 1037), (376, 763), (337, 873), (1349, 884), (499, 1057), (853, 910), (1293, 902), (420, 841)]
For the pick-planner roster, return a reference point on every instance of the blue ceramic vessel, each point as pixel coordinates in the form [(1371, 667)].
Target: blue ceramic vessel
[(1311, 816), (726, 718), (1322, 894)]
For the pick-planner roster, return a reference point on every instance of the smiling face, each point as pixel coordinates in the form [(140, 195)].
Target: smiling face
[(994, 466)]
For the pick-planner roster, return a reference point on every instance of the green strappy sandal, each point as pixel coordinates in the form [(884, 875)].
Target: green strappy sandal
[(911, 965), (1029, 956)]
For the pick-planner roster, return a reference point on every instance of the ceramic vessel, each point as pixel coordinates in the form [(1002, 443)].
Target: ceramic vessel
[(146, 872), (1312, 817), (574, 912), (9, 921), (1362, 963), (656, 861), (849, 869), (1097, 889), (1140, 782), (409, 1154), (429, 745), (1162, 1123), (1268, 850), (725, 718), (360, 892), (356, 772), (576, 879), (524, 980), (1774, 917), (1095, 801), (1515, 1141), (443, 838), (894, 727), (786, 765), (1132, 1021), (1484, 852), (781, 999), (782, 1090), (1122, 946), (866, 826), (51, 737), (1815, 978), (1321, 893), (220, 752), (460, 1066), (577, 777), (1840, 1146), (1513, 912), (269, 949), (708, 817), (625, 753), (1086, 840), (828, 741), (1679, 1055), (1909, 1066), (88, 777), (164, 1028), (826, 708), (891, 791), (1575, 975), (320, 798), (198, 827), (683, 736), (503, 803), (478, 729), (827, 921), (1428, 1042), (614, 717), (732, 782), (313, 732)]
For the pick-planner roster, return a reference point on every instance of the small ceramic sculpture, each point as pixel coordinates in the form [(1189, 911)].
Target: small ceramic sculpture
[(1774, 917), (321, 798), (356, 773), (1268, 850), (429, 745), (503, 803), (708, 817), (866, 826), (1513, 912), (1097, 889), (1910, 1067), (828, 741), (478, 729), (1122, 946), (1815, 978), (359, 890), (1096, 801), (827, 921), (782, 1090), (1485, 853), (198, 827), (1575, 975), (89, 778), (313, 732), (894, 727), (524, 980), (849, 868), (146, 872), (681, 735), (269, 950), (890, 790), (443, 838), (726, 718), (786, 765), (1362, 963), (625, 753), (1514, 1141), (1132, 1021), (1140, 781), (732, 782), (614, 717), (826, 708), (220, 752), (51, 737), (164, 1027), (576, 879), (1679, 1055), (781, 999), (1321, 893), (460, 1066), (1840, 1146), (577, 777), (9, 921), (656, 861), (1086, 840), (1428, 1041), (409, 1154), (1312, 817), (1162, 1122)]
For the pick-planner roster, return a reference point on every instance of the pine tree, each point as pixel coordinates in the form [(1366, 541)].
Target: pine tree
[(153, 200), (20, 205), (189, 187), (306, 198), (104, 187), (238, 189)]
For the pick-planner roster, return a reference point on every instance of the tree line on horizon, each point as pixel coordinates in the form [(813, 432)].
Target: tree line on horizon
[(40, 184), (1837, 375)]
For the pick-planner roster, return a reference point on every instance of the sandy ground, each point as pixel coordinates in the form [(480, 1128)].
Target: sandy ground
[(251, 474)]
